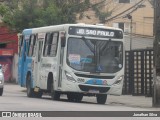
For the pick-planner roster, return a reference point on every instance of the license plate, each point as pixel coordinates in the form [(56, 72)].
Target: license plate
[(93, 91)]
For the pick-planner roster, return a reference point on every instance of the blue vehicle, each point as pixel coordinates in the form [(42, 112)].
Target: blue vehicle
[(23, 46)]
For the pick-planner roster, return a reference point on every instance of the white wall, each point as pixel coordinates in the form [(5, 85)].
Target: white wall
[(138, 42), (15, 68)]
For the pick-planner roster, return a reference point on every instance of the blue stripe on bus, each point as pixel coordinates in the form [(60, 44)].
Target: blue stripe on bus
[(94, 82), (27, 31)]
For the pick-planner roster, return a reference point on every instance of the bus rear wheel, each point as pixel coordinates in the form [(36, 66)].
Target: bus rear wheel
[(54, 94), (38, 94), (101, 98), (30, 91)]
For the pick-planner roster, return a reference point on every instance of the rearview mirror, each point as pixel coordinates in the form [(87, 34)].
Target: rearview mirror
[(63, 39)]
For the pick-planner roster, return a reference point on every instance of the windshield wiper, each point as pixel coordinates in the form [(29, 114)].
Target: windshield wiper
[(105, 46), (88, 44)]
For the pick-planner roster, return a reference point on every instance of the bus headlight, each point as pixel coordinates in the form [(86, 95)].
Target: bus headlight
[(0, 81), (118, 81), (69, 77)]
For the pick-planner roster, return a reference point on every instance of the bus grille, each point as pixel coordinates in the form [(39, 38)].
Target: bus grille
[(87, 88), (94, 76)]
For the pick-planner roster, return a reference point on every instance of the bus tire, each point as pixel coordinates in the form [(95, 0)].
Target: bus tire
[(30, 91), (54, 94), (38, 94), (1, 91), (101, 98)]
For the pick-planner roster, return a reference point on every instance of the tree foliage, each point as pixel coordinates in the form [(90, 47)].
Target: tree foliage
[(20, 14), (101, 14)]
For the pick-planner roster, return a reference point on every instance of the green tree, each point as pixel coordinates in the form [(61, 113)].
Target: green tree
[(20, 14)]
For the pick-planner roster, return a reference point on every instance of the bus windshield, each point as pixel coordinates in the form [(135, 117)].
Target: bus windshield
[(95, 56)]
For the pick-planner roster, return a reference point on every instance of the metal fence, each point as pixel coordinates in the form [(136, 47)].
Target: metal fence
[(138, 72)]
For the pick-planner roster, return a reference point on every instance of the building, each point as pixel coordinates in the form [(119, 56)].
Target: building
[(134, 17), (8, 50)]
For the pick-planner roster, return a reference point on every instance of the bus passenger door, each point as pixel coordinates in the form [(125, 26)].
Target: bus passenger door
[(37, 69), (63, 42)]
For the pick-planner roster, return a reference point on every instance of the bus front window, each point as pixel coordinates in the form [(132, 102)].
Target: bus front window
[(95, 56)]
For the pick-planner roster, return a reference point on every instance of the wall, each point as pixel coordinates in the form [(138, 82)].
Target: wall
[(7, 52), (10, 38), (6, 63), (142, 17), (15, 68)]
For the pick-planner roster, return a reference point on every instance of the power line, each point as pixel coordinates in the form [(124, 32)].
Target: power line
[(124, 11)]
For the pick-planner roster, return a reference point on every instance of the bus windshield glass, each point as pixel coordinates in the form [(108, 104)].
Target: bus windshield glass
[(95, 56)]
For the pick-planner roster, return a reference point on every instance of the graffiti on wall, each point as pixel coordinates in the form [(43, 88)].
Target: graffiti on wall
[(6, 63)]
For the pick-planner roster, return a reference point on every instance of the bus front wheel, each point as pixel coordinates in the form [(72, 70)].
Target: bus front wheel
[(101, 98)]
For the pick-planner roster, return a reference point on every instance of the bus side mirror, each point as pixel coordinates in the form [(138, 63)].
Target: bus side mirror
[(63, 41)]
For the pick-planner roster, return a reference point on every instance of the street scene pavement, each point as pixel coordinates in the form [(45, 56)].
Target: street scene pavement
[(15, 99), (14, 90)]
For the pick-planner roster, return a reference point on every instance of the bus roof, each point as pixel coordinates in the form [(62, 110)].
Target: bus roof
[(63, 27)]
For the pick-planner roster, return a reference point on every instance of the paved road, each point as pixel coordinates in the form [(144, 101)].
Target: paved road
[(14, 99)]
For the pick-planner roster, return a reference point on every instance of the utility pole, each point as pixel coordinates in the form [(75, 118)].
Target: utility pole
[(130, 17), (156, 47)]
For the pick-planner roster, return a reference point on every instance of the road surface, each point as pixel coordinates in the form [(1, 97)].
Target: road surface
[(15, 99)]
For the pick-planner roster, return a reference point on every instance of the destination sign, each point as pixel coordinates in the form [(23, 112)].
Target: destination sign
[(96, 32)]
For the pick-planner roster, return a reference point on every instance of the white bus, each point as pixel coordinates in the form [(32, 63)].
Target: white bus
[(73, 59)]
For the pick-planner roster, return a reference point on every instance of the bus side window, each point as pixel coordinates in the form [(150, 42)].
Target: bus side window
[(21, 45), (34, 46), (49, 44), (50, 47), (40, 50), (29, 45), (54, 45), (32, 41), (46, 44)]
